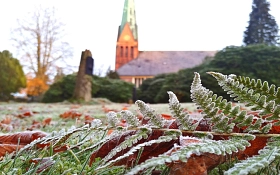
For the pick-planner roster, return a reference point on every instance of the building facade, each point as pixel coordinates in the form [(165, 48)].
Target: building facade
[(135, 66)]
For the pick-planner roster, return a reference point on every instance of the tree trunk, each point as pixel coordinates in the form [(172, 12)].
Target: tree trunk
[(83, 82)]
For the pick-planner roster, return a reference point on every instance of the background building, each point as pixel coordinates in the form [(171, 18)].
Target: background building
[(135, 66)]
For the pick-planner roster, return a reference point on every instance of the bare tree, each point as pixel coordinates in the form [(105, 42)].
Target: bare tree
[(38, 39)]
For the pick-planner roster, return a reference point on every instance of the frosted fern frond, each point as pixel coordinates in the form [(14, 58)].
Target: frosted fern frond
[(182, 153), (62, 136), (262, 88), (214, 109), (183, 119), (153, 162), (95, 123), (248, 96), (102, 141), (55, 138), (167, 137), (209, 102), (259, 96), (113, 120), (128, 142), (149, 114), (130, 118), (253, 164)]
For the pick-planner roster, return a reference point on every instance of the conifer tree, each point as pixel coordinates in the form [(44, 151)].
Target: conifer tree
[(12, 77), (262, 28)]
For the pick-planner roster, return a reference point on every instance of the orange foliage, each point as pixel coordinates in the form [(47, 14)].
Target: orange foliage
[(36, 86)]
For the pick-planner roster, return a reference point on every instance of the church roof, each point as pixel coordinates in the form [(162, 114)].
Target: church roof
[(151, 63)]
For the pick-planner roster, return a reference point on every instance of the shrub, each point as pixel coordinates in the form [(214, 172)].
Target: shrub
[(115, 90), (61, 90), (150, 87)]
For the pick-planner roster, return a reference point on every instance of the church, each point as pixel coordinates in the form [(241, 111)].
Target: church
[(135, 66)]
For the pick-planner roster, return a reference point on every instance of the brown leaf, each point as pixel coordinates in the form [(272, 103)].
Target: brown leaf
[(71, 114), (7, 120), (25, 114), (106, 110), (47, 121), (35, 125), (148, 152), (45, 163), (8, 148), (167, 116), (197, 165), (88, 119), (25, 137)]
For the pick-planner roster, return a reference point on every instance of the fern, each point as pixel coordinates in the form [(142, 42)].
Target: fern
[(254, 164), (220, 113), (261, 87), (113, 120), (130, 118), (155, 120), (258, 95), (221, 147), (168, 136), (129, 142), (214, 109), (98, 144), (184, 121)]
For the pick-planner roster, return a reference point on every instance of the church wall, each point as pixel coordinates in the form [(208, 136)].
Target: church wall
[(137, 80)]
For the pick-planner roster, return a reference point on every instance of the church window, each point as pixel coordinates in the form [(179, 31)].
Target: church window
[(132, 52), (121, 51), (126, 51)]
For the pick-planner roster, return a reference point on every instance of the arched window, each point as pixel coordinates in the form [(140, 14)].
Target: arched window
[(126, 51), (132, 52), (121, 51)]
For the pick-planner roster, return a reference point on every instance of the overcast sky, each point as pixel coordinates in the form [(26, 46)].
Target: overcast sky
[(162, 24)]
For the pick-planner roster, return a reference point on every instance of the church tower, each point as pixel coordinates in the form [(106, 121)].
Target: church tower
[(127, 41)]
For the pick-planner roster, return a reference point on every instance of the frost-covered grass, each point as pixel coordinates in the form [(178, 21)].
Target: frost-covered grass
[(42, 111)]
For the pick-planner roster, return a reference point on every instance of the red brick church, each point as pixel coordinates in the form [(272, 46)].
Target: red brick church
[(135, 66)]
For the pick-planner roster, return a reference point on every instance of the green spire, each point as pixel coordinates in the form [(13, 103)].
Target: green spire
[(129, 17)]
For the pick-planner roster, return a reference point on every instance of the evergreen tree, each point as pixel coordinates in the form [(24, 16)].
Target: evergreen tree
[(262, 28), (11, 75)]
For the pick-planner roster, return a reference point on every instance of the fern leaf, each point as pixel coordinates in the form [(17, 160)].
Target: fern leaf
[(169, 135), (253, 164), (183, 119), (129, 142), (130, 118), (215, 110), (262, 88), (258, 95), (154, 119), (113, 120), (184, 152), (102, 141)]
